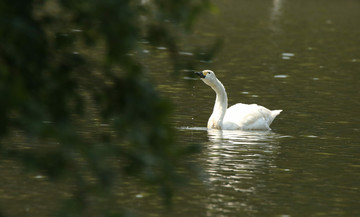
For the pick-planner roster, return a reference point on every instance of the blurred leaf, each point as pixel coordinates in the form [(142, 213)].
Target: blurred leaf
[(75, 93)]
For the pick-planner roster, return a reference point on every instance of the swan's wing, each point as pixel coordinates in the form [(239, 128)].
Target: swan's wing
[(244, 116)]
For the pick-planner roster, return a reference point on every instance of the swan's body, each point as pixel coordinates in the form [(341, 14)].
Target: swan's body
[(239, 116)]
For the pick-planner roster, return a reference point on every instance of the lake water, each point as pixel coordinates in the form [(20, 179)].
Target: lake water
[(299, 56)]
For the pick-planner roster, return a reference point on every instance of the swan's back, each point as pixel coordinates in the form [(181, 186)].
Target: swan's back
[(248, 117)]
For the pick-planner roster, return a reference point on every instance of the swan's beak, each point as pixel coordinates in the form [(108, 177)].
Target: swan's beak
[(200, 74)]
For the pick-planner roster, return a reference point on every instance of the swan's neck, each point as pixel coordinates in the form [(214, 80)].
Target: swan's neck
[(221, 104)]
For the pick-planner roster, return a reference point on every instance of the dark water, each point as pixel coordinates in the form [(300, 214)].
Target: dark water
[(299, 56)]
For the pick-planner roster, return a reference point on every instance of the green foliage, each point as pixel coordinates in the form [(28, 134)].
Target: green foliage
[(72, 85)]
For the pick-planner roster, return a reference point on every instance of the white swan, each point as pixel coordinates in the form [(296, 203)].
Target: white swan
[(239, 116)]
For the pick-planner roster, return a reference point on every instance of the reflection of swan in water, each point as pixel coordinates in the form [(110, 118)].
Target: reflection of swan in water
[(243, 150), (239, 116), (241, 137), (235, 162)]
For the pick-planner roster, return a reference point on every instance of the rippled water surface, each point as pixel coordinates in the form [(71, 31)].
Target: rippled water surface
[(299, 56)]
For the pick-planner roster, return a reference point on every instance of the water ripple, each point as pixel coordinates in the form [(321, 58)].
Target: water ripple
[(234, 159)]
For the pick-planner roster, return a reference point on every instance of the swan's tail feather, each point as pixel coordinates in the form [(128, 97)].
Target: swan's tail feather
[(275, 113)]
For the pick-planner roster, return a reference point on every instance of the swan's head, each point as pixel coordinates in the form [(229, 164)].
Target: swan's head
[(207, 76)]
